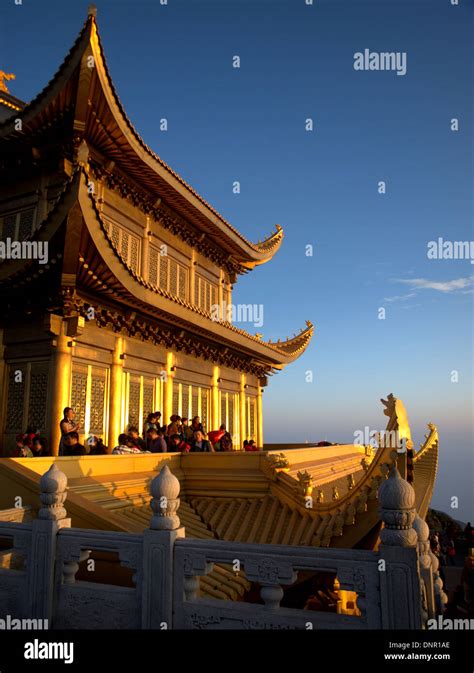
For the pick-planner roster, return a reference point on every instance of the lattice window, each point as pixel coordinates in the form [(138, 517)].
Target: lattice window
[(173, 271), (9, 227), (79, 395), (18, 226), (115, 236), (251, 419), (205, 407), (175, 403), (97, 405), (172, 275), (223, 408), (147, 398), (153, 264), (205, 294), (185, 401), (163, 272), (16, 398), (230, 414), (37, 401), (134, 248), (134, 403), (126, 244), (182, 282), (194, 399)]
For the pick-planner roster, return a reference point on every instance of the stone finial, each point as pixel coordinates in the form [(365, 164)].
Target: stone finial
[(53, 493), (397, 502), (165, 488)]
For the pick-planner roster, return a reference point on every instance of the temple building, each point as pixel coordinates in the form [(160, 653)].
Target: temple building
[(113, 270)]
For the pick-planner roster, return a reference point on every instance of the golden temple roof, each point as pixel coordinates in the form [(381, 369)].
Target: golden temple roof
[(88, 93)]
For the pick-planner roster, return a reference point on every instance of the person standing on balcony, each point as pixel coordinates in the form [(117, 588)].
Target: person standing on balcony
[(67, 425)]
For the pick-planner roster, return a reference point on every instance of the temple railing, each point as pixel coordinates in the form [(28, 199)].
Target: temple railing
[(271, 568), (55, 572)]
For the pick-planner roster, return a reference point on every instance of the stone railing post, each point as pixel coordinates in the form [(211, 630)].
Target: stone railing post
[(440, 596), (52, 516), (399, 574), (423, 533), (158, 542)]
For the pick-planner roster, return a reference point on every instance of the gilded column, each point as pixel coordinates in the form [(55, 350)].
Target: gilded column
[(60, 381), (215, 398), (116, 384), (259, 417), (168, 388), (242, 401)]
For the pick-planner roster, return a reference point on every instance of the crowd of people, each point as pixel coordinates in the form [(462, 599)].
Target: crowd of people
[(179, 435)]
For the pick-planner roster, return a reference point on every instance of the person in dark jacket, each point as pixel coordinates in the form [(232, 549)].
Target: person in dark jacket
[(200, 444), (186, 431), (155, 442), (39, 447), (135, 435), (96, 446), (72, 446), (197, 425)]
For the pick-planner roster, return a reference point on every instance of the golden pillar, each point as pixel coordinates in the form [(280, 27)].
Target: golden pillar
[(116, 385), (259, 417), (60, 381), (242, 409), (168, 388), (215, 398)]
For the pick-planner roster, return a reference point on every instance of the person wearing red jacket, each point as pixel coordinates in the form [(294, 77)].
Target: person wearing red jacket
[(177, 444), (216, 435)]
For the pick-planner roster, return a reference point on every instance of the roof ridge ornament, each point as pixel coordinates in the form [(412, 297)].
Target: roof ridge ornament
[(5, 76), (92, 11)]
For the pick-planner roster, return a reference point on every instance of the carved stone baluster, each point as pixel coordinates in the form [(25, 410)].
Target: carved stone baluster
[(423, 533), (165, 490), (53, 493), (271, 595), (400, 581), (440, 596)]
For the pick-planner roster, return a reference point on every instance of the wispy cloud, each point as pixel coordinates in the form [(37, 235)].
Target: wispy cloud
[(455, 286), (400, 297), (448, 286)]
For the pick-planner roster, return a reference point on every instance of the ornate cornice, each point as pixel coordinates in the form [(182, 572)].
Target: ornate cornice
[(175, 338)]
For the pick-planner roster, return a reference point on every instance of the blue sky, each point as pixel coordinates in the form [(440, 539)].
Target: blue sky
[(370, 250)]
